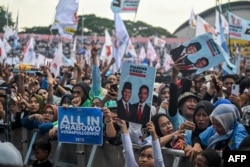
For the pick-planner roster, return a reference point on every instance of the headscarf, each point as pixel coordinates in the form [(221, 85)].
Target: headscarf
[(160, 92), (226, 115), (86, 89), (69, 96), (208, 107), (54, 108), (39, 100)]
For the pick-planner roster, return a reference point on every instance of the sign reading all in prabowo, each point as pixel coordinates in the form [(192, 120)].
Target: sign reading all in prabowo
[(80, 125)]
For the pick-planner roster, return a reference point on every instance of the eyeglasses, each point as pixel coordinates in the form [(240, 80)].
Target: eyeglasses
[(48, 112)]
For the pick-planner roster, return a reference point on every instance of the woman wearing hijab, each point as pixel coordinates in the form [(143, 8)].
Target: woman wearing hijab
[(201, 120), (226, 133)]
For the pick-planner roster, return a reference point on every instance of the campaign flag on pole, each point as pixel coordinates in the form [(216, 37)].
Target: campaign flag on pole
[(106, 53), (168, 61), (29, 56), (57, 61), (121, 40), (124, 6), (159, 42), (6, 46), (8, 32), (66, 19), (192, 19), (142, 54), (239, 28), (203, 27), (40, 61), (16, 26), (3, 54), (80, 125), (130, 51), (151, 53), (221, 41)]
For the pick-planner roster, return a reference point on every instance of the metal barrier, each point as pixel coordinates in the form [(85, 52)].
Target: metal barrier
[(78, 155)]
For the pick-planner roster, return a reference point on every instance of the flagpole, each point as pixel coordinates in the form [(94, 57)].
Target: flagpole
[(7, 16), (136, 10)]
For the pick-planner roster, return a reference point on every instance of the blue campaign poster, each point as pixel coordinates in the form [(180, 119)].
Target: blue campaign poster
[(80, 125)]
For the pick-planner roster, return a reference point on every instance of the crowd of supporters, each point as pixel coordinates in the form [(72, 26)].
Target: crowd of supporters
[(197, 114)]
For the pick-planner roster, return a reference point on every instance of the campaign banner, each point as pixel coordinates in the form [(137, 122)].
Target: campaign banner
[(124, 6), (80, 125), (198, 54), (239, 28), (135, 93)]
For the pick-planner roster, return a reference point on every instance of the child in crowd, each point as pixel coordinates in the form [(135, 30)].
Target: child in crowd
[(150, 155), (42, 150), (208, 158)]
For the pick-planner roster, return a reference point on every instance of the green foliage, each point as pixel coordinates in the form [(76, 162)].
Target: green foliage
[(90, 24), (3, 20)]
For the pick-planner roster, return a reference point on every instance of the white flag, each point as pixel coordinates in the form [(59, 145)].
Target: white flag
[(121, 40), (130, 51), (40, 61), (6, 46), (192, 19), (203, 27), (106, 53), (142, 54), (224, 23), (8, 32), (29, 56), (151, 53), (159, 42), (57, 62), (66, 19), (168, 62), (3, 54)]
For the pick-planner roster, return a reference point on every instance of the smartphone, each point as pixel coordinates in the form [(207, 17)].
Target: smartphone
[(235, 89), (114, 87), (215, 84), (208, 77)]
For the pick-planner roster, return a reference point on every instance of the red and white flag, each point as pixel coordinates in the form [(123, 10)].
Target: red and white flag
[(168, 62), (57, 62), (66, 19), (203, 27), (29, 55), (159, 42), (121, 41), (106, 53)]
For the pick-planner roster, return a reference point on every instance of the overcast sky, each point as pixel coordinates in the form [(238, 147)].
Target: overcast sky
[(163, 13)]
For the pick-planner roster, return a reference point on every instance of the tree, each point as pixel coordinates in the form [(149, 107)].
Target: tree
[(3, 20), (90, 24)]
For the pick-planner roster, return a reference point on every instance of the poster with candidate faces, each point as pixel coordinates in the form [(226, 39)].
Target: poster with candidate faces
[(135, 93), (198, 54)]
